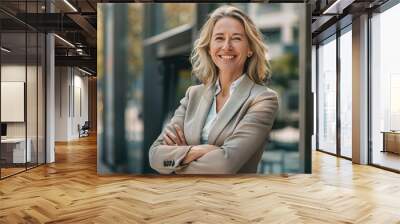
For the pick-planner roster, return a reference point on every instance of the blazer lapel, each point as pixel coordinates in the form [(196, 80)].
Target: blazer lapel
[(202, 112), (237, 99)]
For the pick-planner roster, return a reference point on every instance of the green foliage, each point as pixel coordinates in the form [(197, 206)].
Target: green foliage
[(284, 69)]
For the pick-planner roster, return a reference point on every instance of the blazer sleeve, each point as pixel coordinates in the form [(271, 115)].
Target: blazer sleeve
[(165, 158), (249, 135)]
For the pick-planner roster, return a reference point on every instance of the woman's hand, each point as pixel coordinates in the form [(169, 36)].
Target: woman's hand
[(196, 152), (174, 139)]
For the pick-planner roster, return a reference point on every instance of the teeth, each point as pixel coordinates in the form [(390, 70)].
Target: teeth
[(226, 56)]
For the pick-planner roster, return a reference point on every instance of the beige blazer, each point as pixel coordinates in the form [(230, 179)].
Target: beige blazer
[(240, 131)]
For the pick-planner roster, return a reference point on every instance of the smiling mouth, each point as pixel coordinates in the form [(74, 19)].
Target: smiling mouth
[(227, 57)]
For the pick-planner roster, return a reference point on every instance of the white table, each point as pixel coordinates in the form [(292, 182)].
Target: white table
[(18, 145)]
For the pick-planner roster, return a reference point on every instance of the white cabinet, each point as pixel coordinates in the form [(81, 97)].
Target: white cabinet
[(18, 149)]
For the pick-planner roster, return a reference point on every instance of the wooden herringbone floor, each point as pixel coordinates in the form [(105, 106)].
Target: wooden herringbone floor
[(70, 191)]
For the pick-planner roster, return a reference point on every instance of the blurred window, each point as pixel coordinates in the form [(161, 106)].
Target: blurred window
[(267, 8), (272, 35)]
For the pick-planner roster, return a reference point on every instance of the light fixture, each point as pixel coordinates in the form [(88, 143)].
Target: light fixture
[(64, 40), (5, 50), (84, 71), (70, 5), (80, 51)]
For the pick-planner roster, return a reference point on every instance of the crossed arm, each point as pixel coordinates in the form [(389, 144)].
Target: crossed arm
[(170, 147), (178, 139), (248, 136)]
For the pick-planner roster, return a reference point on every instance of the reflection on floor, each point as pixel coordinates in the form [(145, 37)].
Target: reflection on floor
[(10, 169), (386, 159)]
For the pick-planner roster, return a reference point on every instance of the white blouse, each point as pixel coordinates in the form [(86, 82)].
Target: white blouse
[(212, 114)]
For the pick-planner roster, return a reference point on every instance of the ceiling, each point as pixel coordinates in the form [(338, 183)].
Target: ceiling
[(74, 21), (332, 15)]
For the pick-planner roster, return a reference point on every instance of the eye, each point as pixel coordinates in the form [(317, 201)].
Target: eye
[(236, 38), (218, 38)]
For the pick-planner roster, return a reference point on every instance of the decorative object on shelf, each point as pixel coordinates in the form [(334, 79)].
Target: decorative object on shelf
[(391, 141)]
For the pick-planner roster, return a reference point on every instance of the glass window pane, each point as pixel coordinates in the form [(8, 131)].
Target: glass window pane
[(385, 84), (31, 97), (346, 94), (13, 87), (314, 91), (327, 96), (22, 81), (41, 98)]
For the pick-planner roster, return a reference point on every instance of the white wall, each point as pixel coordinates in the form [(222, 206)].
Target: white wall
[(71, 94), (62, 81), (33, 126), (79, 111), (13, 73)]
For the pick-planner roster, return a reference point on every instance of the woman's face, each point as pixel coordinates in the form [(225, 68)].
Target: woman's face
[(229, 46)]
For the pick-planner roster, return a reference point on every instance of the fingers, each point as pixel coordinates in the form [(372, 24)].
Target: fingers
[(181, 135), (175, 139), (168, 140)]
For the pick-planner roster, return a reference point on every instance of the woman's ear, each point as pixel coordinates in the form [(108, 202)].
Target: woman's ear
[(249, 54)]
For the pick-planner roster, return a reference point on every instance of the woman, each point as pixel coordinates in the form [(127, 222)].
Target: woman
[(221, 126)]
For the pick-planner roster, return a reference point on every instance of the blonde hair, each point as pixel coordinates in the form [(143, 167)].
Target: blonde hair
[(257, 67)]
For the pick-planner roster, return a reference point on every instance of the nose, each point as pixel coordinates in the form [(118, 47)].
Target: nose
[(227, 45)]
